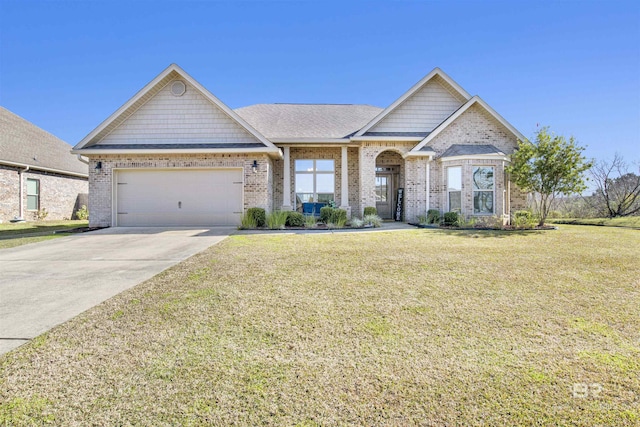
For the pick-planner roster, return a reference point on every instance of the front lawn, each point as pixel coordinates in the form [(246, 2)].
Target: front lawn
[(626, 221), (21, 233), (412, 327)]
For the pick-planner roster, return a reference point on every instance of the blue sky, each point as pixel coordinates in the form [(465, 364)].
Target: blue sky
[(571, 65)]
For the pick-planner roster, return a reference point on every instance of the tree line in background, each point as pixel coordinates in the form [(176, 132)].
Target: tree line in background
[(554, 172)]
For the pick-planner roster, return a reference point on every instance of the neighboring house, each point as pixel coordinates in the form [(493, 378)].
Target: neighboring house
[(38, 173), (174, 154)]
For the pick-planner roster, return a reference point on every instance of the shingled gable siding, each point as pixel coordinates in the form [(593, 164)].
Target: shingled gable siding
[(423, 111), (190, 118), (332, 153), (58, 194), (257, 186)]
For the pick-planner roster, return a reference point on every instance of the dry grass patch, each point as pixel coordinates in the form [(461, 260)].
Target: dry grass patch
[(422, 327)]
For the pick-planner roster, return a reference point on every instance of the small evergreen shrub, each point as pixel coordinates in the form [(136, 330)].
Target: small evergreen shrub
[(82, 213), (523, 220), (370, 210), (357, 222), (338, 216), (433, 216), (372, 220), (295, 219), (258, 215), (450, 219), (276, 220), (325, 214)]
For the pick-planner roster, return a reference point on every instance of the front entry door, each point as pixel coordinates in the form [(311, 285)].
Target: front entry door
[(385, 193)]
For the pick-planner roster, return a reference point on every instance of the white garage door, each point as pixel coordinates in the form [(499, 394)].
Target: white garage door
[(201, 197)]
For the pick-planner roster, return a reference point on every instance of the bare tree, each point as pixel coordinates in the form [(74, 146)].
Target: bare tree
[(618, 189)]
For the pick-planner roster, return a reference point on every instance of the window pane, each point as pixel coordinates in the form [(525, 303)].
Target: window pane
[(483, 178), (483, 202), (304, 165), (32, 203), (381, 188), (324, 165), (454, 178), (455, 201), (32, 187), (325, 197), (304, 197), (304, 183), (325, 183)]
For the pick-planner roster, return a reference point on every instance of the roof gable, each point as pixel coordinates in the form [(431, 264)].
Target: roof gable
[(24, 143), (421, 108), (477, 101), (155, 116)]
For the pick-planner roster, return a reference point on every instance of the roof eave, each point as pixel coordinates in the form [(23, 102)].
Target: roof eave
[(501, 157), (44, 169), (388, 138), (273, 152)]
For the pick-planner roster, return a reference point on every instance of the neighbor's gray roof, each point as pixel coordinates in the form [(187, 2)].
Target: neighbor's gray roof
[(25, 143), (308, 120)]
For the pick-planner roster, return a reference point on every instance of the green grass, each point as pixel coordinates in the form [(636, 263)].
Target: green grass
[(627, 221), (21, 233), (416, 327)]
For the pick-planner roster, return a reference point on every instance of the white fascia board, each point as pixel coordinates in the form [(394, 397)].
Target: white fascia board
[(171, 68), (300, 141), (275, 152), (41, 168), (476, 157), (428, 154), (435, 72), (387, 138)]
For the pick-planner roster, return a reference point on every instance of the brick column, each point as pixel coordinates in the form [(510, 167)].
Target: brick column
[(344, 188)]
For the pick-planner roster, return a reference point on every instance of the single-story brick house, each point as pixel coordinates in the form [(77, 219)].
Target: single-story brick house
[(38, 173), (174, 154)]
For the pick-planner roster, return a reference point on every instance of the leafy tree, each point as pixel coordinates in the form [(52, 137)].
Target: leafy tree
[(549, 166), (618, 189)]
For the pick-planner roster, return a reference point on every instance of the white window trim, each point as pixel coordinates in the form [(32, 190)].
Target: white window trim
[(314, 172), (450, 191), (37, 181), (473, 191)]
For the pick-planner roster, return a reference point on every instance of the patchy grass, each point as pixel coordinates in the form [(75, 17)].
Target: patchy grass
[(429, 327), (627, 221), (21, 233)]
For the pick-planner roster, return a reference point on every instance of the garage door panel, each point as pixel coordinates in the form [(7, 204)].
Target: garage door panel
[(200, 197)]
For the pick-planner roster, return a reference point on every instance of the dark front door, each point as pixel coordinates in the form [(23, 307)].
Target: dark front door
[(386, 184)]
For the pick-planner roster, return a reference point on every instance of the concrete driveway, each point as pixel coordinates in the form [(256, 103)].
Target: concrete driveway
[(45, 284)]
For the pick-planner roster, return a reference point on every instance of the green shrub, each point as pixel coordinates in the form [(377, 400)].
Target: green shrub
[(310, 221), (523, 220), (450, 219), (247, 222), (433, 216), (422, 220), (325, 214), (372, 220), (523, 214), (42, 214), (370, 210), (493, 221), (338, 216), (82, 213), (295, 219), (258, 215), (276, 220)]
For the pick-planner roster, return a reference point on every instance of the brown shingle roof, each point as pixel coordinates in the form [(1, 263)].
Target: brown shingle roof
[(25, 143), (308, 120)]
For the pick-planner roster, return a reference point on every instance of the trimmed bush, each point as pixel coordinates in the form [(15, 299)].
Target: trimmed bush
[(338, 216), (450, 219), (370, 210), (295, 219), (325, 214), (82, 213), (259, 216), (433, 216), (523, 220), (523, 214)]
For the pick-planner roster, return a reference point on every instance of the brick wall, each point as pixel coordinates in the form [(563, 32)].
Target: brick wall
[(58, 194), (257, 191)]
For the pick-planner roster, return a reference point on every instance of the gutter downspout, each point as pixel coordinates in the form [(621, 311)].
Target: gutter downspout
[(21, 193), (428, 183), (86, 162)]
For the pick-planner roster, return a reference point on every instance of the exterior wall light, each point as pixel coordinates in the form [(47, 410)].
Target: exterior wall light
[(254, 167), (98, 165)]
